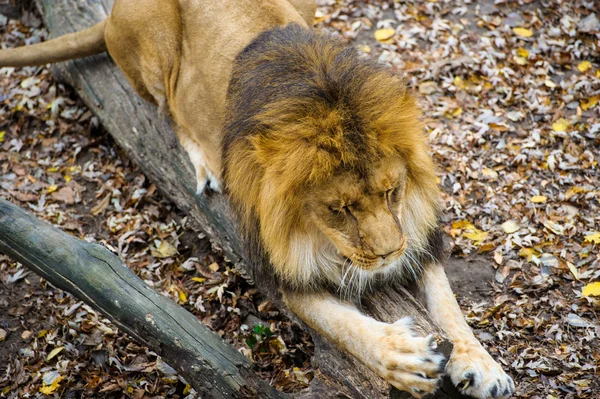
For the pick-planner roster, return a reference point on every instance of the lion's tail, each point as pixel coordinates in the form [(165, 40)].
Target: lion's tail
[(73, 45)]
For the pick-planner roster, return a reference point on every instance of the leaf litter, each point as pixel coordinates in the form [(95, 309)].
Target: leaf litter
[(510, 92)]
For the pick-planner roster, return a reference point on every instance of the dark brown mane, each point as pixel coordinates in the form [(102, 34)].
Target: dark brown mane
[(303, 107)]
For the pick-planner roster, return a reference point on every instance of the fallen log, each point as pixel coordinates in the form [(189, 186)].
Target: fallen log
[(148, 140), (98, 277)]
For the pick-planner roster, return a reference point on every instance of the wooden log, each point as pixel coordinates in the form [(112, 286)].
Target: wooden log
[(149, 141), (98, 277)]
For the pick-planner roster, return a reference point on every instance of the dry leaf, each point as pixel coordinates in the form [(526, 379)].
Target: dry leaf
[(529, 253), (182, 296), (523, 32), (65, 194), (539, 199), (462, 224), (584, 66), (102, 205), (554, 227), (50, 389), (587, 104), (214, 267), (428, 87), (198, 279), (164, 250), (573, 270), (593, 238), (510, 226), (498, 257), (54, 352), (522, 52), (384, 35), (560, 125), (476, 235), (592, 289)]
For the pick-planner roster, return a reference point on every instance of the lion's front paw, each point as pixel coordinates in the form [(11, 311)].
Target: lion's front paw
[(475, 373), (405, 360)]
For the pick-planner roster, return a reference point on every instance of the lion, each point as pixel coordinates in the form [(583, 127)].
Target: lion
[(325, 159)]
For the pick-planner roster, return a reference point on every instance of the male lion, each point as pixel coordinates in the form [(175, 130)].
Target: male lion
[(325, 160)]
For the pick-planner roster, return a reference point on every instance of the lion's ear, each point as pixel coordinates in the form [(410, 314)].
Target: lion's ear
[(295, 162)]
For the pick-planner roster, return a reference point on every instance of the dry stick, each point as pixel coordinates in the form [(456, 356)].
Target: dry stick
[(148, 140), (98, 277)]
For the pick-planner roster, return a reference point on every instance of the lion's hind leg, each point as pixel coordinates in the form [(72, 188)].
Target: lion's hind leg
[(204, 175)]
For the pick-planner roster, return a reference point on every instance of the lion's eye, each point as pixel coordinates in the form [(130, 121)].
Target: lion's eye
[(338, 209), (335, 210), (393, 193)]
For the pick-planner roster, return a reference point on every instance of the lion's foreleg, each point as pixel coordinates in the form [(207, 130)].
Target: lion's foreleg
[(393, 351), (470, 367)]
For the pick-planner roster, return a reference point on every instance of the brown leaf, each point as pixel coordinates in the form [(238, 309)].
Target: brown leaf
[(65, 194)]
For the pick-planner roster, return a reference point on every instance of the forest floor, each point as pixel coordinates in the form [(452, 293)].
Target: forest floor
[(510, 92)]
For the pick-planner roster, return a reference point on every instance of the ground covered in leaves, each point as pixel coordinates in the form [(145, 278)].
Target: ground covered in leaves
[(510, 92)]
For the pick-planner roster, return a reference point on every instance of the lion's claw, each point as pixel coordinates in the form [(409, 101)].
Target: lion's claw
[(475, 373)]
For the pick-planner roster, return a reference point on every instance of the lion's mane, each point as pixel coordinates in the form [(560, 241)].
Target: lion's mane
[(302, 107)]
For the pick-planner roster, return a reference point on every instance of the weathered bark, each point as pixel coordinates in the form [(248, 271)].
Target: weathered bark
[(148, 140), (98, 277)]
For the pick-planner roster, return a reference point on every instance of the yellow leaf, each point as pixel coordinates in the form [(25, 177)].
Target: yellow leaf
[(385, 35), (592, 289), (585, 105), (549, 83), (584, 66), (52, 169), (2, 133), (560, 125), (529, 253), (187, 389), (52, 189), (510, 226), (476, 235), (68, 178), (164, 250), (462, 224), (522, 52), (50, 389), (539, 199), (182, 296), (198, 279), (42, 333), (574, 191), (523, 32), (54, 352), (458, 82), (594, 238)]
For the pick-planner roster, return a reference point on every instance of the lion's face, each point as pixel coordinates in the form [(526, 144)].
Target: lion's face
[(361, 214)]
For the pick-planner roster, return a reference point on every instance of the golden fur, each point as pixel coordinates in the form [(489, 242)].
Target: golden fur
[(325, 160), (316, 172)]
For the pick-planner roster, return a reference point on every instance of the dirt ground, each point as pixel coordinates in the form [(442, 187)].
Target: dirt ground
[(513, 120)]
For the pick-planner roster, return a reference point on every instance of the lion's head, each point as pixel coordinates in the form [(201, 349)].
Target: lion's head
[(326, 156)]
